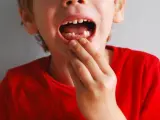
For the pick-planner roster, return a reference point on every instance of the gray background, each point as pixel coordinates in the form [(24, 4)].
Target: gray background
[(140, 30)]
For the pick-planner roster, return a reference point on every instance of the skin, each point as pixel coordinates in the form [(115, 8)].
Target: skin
[(95, 89)]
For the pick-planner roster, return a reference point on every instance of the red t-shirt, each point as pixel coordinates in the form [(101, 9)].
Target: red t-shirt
[(28, 92)]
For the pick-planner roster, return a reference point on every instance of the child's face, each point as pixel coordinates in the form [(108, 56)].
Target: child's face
[(50, 14)]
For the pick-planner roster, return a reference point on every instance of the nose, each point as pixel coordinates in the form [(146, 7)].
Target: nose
[(67, 3)]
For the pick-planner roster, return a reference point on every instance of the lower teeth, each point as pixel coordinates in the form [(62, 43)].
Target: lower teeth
[(73, 35)]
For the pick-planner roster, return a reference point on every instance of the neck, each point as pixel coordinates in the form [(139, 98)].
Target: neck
[(59, 71)]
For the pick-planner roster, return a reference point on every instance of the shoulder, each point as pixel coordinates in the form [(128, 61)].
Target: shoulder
[(141, 76), (21, 76), (142, 65), (138, 57), (29, 67), (19, 82), (139, 66)]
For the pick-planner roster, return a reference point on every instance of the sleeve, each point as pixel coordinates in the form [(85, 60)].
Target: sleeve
[(4, 112), (150, 109)]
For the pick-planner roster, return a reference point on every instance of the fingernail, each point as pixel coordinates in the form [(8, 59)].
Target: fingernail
[(73, 43), (83, 40)]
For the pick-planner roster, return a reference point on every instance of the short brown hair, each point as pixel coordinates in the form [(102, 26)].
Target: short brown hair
[(25, 4), (28, 5)]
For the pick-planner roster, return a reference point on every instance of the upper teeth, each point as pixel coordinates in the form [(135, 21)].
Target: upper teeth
[(76, 21)]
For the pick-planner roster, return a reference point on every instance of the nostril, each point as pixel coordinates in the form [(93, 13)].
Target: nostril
[(81, 1), (69, 2)]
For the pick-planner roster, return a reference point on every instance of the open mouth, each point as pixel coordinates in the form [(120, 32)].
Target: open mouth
[(76, 29)]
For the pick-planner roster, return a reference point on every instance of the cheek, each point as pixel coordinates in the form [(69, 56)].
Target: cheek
[(107, 13), (45, 17), (46, 20)]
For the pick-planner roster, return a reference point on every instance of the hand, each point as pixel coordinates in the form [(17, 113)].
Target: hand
[(95, 82)]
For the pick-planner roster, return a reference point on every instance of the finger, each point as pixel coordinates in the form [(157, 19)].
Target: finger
[(86, 59), (97, 56), (77, 82), (81, 71)]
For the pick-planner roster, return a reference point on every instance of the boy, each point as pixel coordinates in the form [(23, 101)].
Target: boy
[(83, 79)]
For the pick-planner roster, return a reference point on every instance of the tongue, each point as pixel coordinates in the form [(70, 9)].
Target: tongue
[(77, 29)]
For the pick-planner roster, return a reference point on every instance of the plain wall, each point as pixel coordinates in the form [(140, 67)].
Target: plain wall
[(140, 31)]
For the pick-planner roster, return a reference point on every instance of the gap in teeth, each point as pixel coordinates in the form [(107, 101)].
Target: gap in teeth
[(84, 34)]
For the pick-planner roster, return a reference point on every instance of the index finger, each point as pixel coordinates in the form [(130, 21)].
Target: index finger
[(98, 57)]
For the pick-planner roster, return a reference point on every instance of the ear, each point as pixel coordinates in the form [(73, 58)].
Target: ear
[(28, 21), (119, 11)]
